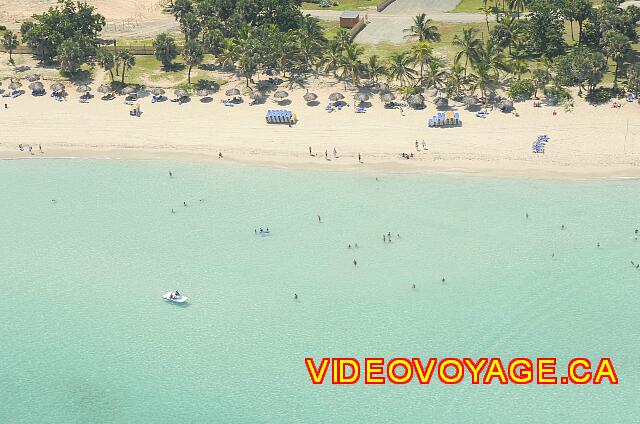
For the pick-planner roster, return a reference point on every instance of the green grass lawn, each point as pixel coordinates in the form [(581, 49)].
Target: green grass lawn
[(329, 28), (471, 6), (148, 70), (343, 5)]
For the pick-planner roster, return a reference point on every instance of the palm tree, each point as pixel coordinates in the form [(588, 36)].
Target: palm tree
[(483, 79), (421, 53), (126, 59), (400, 68), (469, 46), (350, 62), (422, 29), (106, 60), (10, 42), (332, 57), (374, 68), (455, 81), (435, 76), (493, 56), (192, 54), (540, 78), (518, 6), (229, 53), (615, 45)]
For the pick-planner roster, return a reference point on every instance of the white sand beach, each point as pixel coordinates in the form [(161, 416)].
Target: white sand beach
[(587, 142)]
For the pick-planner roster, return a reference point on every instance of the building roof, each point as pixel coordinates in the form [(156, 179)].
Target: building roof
[(350, 14)]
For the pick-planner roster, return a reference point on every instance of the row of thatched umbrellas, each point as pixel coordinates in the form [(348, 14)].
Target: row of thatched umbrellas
[(386, 95)]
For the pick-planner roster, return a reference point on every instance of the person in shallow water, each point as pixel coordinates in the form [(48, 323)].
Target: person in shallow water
[(295, 296)]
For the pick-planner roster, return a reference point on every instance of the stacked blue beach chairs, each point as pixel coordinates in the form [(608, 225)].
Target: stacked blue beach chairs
[(445, 119), (280, 117), (538, 146)]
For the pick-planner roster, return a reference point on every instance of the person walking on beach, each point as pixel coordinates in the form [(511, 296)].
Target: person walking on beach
[(40, 147), (335, 153), (359, 158), (417, 148), (219, 155), (310, 153), (424, 145)]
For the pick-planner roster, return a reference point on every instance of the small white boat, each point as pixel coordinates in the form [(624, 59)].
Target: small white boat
[(175, 297)]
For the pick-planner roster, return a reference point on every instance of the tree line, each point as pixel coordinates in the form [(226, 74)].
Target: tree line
[(250, 37)]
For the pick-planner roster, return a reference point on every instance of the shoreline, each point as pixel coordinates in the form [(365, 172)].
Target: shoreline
[(558, 173)]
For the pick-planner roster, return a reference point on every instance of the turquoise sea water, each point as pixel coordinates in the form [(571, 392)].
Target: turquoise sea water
[(85, 337)]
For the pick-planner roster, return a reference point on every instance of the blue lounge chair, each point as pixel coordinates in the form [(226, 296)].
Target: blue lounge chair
[(361, 110)]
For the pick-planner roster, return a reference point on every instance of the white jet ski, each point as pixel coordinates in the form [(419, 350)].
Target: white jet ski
[(175, 297)]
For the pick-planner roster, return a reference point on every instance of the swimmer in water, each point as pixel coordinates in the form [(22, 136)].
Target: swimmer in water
[(295, 296), (384, 238), (355, 263), (553, 255), (349, 246), (255, 231), (526, 215), (185, 204), (170, 174), (173, 210), (598, 245), (413, 286), (319, 219), (562, 227), (398, 235), (443, 280), (636, 231), (356, 246)]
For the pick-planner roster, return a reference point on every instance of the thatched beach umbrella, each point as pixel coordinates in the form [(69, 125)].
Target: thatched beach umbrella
[(470, 101), (416, 101), (15, 85), (309, 97), (361, 97), (388, 97), (281, 95), (33, 77), (334, 97), (83, 88), (257, 96), (181, 92), (127, 91), (36, 86), (57, 87), (203, 92), (383, 88), (506, 105), (232, 92), (104, 89), (157, 92), (442, 102)]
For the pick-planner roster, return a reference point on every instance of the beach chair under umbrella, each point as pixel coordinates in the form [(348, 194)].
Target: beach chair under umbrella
[(506, 106), (383, 88), (57, 87), (257, 97), (83, 88), (336, 97), (310, 97), (442, 102), (281, 95), (470, 101), (416, 101), (15, 85), (361, 97), (180, 93), (157, 92), (203, 92), (388, 97), (36, 87)]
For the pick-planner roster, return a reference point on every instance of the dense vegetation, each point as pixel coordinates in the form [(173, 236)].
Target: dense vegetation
[(529, 48)]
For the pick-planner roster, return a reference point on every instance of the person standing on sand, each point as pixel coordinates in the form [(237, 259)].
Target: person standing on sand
[(417, 147), (40, 147), (335, 153), (310, 153), (359, 158), (424, 145)]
